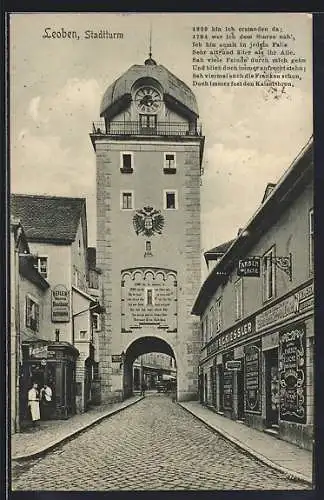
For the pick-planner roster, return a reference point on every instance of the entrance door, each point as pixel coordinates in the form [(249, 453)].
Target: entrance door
[(221, 387), (206, 388), (240, 392), (201, 388), (148, 124), (272, 387), (213, 384)]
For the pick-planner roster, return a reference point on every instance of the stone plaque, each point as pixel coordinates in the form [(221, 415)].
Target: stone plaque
[(149, 298)]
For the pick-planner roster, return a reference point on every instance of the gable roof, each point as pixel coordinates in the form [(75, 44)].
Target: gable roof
[(217, 251), (48, 218)]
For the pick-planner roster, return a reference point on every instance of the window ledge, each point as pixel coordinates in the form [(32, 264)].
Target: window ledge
[(169, 170), (126, 170)]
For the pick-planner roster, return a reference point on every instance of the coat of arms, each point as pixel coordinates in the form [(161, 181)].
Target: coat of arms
[(148, 221)]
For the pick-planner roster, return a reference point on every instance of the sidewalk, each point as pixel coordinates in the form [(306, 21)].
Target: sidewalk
[(31, 444), (278, 454)]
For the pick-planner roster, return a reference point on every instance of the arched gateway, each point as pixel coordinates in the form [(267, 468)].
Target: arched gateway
[(149, 152), (141, 345)]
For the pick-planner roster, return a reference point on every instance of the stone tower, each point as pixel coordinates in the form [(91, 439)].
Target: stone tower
[(149, 151)]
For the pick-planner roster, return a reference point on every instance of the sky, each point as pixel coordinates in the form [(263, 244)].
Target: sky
[(56, 87)]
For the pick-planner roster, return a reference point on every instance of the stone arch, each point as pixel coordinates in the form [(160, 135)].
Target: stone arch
[(142, 345)]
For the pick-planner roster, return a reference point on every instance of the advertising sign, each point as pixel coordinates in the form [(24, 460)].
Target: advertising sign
[(60, 304), (228, 382), (249, 267), (252, 377), (292, 373)]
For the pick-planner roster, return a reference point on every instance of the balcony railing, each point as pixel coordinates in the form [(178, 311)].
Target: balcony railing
[(136, 128)]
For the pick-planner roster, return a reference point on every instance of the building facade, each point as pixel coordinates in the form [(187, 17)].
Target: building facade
[(149, 151), (256, 309), (56, 329)]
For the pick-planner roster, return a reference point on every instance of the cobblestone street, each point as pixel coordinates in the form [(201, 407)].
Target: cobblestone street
[(153, 445)]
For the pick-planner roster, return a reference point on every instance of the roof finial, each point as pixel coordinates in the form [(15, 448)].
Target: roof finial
[(150, 52), (150, 61)]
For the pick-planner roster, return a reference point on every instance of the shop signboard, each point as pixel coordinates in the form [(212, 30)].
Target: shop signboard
[(232, 336), (249, 267), (116, 358), (292, 373), (252, 377), (233, 365), (38, 351), (290, 307), (228, 382), (60, 304)]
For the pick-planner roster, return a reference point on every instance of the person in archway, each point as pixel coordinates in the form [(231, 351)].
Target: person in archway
[(143, 388)]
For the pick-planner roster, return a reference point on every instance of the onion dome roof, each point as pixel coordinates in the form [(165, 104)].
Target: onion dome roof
[(173, 88)]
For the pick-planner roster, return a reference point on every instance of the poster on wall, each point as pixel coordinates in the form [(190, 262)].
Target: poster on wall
[(252, 377), (292, 373), (228, 382)]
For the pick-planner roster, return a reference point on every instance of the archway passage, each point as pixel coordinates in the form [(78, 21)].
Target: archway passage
[(140, 346)]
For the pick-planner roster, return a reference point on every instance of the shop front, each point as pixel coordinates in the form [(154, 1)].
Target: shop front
[(264, 368), (51, 363)]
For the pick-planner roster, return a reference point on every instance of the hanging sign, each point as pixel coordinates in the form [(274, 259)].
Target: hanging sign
[(249, 267), (60, 304)]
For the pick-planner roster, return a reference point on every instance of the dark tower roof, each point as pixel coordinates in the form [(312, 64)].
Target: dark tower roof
[(174, 89)]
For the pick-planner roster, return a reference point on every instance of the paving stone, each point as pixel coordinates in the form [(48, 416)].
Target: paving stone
[(153, 445)]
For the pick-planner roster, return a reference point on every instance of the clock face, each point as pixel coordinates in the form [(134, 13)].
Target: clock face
[(147, 100)]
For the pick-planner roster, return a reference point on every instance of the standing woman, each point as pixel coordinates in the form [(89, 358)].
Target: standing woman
[(33, 403)]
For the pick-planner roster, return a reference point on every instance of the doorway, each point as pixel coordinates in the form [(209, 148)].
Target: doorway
[(240, 392), (206, 388), (221, 387), (272, 388)]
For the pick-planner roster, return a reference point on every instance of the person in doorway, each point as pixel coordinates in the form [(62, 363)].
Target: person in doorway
[(46, 401), (33, 404)]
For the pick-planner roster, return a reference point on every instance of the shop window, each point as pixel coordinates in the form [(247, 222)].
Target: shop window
[(311, 241), (170, 201), (149, 296), (268, 278), (127, 200), (238, 290), (126, 162), (42, 266), (218, 310), (32, 314), (169, 166)]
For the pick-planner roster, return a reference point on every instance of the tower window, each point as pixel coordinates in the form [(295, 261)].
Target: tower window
[(169, 166), (127, 200), (126, 162), (149, 296), (170, 200)]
